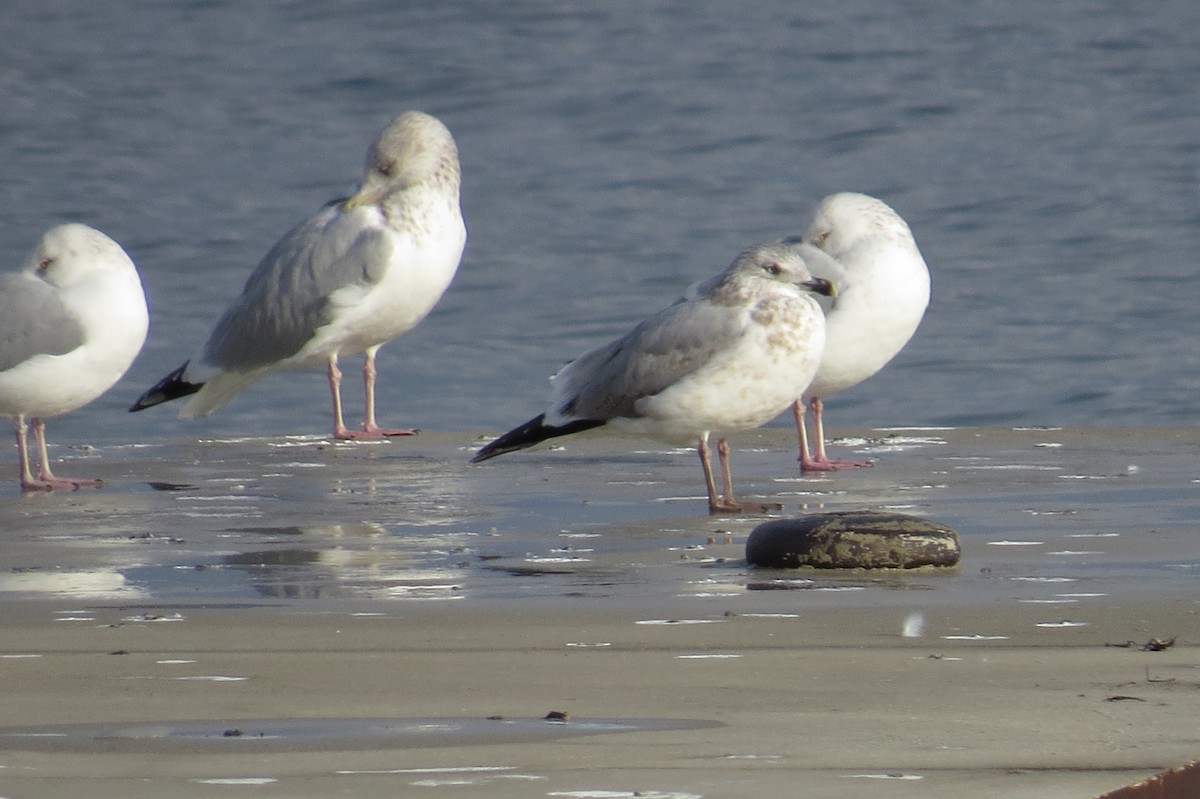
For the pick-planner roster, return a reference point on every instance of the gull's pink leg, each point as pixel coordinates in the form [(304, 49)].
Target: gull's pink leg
[(727, 504), (340, 431), (369, 392), (46, 481), (807, 463), (714, 504), (23, 471), (820, 462), (726, 473)]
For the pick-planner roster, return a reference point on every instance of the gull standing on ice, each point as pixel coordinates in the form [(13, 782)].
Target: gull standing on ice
[(74, 319), (730, 355), (359, 273), (883, 290)]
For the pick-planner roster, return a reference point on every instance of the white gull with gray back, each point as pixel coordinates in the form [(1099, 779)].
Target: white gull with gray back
[(883, 291), (359, 273), (731, 354), (74, 320)]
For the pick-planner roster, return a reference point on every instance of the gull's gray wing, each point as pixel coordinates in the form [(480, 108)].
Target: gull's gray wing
[(666, 347), (33, 321), (286, 299)]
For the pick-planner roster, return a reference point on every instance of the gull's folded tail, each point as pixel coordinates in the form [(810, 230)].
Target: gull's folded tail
[(532, 432), (173, 386)]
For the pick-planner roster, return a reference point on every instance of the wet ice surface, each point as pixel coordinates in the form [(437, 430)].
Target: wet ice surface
[(1045, 516), (293, 735), (1053, 518)]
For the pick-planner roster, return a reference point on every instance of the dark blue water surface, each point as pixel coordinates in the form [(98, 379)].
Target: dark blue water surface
[(1047, 156)]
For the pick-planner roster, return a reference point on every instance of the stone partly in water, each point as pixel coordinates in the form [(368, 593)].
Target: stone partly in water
[(853, 540)]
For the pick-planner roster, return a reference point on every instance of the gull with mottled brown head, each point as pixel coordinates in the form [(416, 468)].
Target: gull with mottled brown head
[(74, 319), (867, 249), (359, 273), (731, 354)]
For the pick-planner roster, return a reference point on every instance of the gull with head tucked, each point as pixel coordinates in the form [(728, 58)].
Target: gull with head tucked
[(359, 273), (74, 319), (731, 354), (883, 290)]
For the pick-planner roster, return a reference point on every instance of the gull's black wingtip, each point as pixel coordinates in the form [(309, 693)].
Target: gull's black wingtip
[(532, 432), (173, 386), (521, 437)]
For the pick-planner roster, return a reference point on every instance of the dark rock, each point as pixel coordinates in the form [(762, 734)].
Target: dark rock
[(853, 540)]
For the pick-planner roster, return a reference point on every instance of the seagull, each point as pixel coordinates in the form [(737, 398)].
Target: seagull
[(883, 290), (731, 354), (74, 319), (356, 275)]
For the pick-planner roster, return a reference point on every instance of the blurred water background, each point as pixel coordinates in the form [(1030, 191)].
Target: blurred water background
[(1047, 157)]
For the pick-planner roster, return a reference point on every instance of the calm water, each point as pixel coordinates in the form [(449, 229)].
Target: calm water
[(1047, 157)]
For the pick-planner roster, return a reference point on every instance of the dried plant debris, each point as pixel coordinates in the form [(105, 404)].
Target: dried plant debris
[(1153, 645), (1158, 645)]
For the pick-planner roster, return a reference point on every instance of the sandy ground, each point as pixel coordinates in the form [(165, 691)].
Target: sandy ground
[(383, 620)]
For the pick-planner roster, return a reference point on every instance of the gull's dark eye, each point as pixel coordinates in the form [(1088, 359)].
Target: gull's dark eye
[(773, 269)]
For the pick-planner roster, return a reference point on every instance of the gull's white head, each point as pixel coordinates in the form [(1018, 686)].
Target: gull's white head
[(69, 254), (780, 263), (415, 148), (843, 220)]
